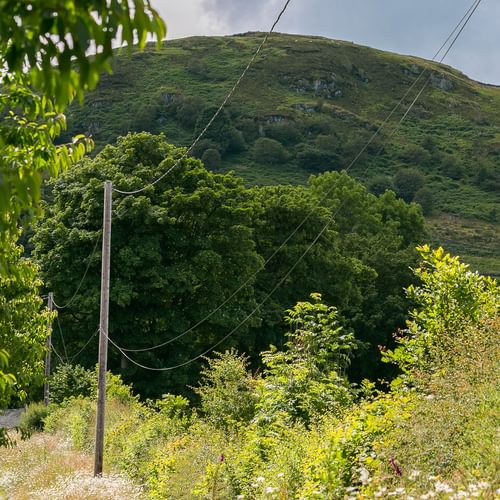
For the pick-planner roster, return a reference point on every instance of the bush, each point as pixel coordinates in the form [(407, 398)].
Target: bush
[(285, 133), (317, 160), (407, 182), (425, 199), (379, 184), (269, 151), (211, 158), (451, 167), (71, 381), (227, 390), (33, 419)]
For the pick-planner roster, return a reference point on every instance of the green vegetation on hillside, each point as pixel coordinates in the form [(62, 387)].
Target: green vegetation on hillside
[(198, 240), (307, 105), (302, 429)]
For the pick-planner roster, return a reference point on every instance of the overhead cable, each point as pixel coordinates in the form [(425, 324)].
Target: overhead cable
[(469, 12), (217, 112)]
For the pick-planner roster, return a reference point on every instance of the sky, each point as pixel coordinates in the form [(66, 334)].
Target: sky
[(414, 27)]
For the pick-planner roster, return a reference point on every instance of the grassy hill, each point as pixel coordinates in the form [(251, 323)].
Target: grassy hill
[(309, 104)]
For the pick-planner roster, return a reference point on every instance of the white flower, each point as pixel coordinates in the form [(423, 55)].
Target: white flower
[(414, 474), (270, 489), (281, 474), (364, 475), (483, 485), (439, 486), (260, 479)]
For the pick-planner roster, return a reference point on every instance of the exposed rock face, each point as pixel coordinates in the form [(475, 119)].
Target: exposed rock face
[(441, 82), (306, 108), (276, 118), (325, 87)]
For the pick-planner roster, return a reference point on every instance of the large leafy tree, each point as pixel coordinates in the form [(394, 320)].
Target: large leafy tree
[(24, 326), (179, 249), (360, 263), (45, 62)]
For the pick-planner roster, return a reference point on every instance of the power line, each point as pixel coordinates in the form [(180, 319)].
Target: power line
[(84, 347), (318, 204), (467, 17), (62, 336), (70, 301), (216, 114)]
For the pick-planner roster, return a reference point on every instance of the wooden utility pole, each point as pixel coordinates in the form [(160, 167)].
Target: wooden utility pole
[(48, 345), (103, 330)]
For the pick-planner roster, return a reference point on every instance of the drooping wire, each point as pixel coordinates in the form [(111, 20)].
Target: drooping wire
[(84, 346), (62, 336), (467, 18), (323, 198), (217, 112), (70, 301)]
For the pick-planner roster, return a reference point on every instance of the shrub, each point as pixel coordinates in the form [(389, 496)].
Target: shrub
[(307, 379), (407, 182), (317, 160), (285, 133), (379, 184), (227, 390), (269, 151), (211, 158), (425, 199), (33, 418), (451, 167), (71, 381), (415, 155)]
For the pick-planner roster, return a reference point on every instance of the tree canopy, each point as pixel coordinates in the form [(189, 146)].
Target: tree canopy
[(182, 247)]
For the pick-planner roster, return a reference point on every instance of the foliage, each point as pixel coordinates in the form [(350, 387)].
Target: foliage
[(306, 379), (45, 48), (211, 158), (407, 182), (226, 390), (179, 250), (433, 438), (379, 184), (33, 419), (70, 381), (425, 198), (24, 326), (450, 299), (268, 151), (34, 36)]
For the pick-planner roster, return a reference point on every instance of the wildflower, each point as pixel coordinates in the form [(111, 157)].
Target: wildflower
[(281, 474), (222, 457), (439, 486), (271, 489), (414, 474), (260, 479), (364, 475)]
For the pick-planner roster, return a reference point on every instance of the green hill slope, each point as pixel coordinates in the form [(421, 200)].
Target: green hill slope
[(309, 104)]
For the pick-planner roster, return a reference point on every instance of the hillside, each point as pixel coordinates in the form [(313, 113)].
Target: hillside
[(309, 104)]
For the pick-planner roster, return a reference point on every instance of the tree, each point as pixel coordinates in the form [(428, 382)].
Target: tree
[(24, 326), (178, 251), (44, 49), (449, 301), (44, 55)]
